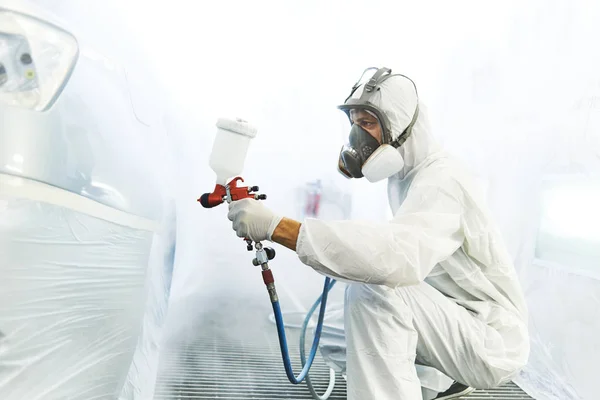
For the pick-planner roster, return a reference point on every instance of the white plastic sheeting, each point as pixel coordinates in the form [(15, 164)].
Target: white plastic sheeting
[(87, 233), (142, 375), (80, 285), (72, 293)]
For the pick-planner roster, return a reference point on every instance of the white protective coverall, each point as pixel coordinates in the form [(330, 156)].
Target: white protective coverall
[(434, 286)]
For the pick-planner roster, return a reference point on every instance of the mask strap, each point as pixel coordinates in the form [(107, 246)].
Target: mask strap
[(358, 82), (375, 80), (407, 132)]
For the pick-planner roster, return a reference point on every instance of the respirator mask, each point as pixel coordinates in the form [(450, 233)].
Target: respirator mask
[(363, 155)]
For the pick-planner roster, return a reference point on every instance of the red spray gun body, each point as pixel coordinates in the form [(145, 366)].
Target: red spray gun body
[(231, 192)]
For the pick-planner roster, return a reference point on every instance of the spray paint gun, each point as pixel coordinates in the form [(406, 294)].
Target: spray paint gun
[(227, 160)]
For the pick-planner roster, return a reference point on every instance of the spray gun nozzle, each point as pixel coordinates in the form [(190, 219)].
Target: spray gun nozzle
[(210, 200)]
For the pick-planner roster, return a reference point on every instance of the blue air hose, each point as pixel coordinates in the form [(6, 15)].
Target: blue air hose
[(315, 345), (307, 319)]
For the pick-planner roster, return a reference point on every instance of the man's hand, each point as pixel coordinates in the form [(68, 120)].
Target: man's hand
[(252, 220)]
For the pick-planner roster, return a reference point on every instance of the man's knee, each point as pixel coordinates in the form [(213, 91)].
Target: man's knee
[(377, 315), (385, 300)]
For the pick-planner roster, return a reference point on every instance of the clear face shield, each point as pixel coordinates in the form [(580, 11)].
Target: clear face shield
[(36, 59), (363, 146)]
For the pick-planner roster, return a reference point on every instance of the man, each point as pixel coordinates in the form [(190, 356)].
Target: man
[(435, 285)]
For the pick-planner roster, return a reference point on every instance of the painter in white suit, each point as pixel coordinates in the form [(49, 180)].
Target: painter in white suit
[(435, 286)]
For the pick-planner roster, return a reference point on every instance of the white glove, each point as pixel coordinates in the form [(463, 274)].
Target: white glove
[(252, 220)]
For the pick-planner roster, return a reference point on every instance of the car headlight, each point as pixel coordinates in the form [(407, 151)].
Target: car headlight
[(36, 60)]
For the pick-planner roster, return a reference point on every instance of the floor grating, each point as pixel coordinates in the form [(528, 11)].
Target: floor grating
[(213, 361)]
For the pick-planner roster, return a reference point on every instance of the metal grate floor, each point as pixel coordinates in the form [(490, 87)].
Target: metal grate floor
[(232, 353), (213, 370)]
